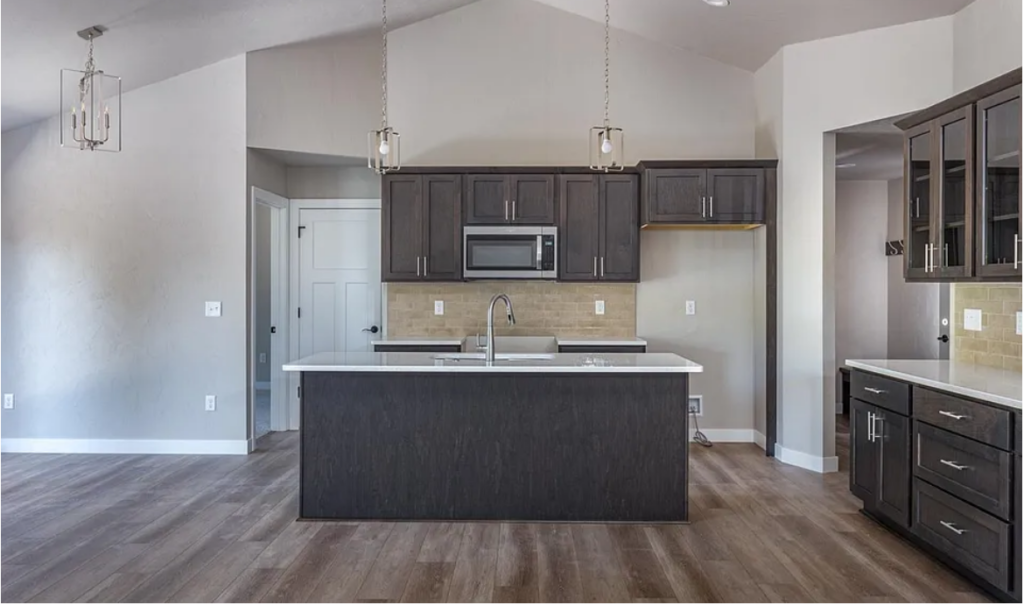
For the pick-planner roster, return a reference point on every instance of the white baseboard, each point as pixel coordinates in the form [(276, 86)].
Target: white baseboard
[(818, 464), (760, 439), (727, 435), (125, 446), (262, 386)]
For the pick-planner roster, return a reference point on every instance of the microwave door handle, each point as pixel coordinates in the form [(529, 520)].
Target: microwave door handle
[(540, 251)]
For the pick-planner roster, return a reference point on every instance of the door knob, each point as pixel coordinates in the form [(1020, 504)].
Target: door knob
[(943, 338), (372, 329), (273, 329)]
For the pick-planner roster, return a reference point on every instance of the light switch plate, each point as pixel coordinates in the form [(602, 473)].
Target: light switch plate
[(691, 307), (599, 307), (213, 308), (438, 307), (1019, 330), (972, 320)]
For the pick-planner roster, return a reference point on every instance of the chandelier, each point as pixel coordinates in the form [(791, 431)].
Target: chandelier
[(606, 142), (93, 120), (383, 145)]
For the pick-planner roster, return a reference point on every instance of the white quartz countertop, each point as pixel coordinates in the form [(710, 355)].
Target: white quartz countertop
[(994, 385), (601, 342), (426, 342), (441, 362)]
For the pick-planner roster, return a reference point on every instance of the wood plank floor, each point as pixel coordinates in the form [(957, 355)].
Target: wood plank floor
[(211, 528)]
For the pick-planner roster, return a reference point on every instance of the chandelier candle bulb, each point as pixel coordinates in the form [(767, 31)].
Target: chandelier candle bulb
[(89, 125)]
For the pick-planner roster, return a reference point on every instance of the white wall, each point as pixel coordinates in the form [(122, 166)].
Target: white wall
[(107, 261), (861, 271), (913, 307), (986, 41), (319, 182)]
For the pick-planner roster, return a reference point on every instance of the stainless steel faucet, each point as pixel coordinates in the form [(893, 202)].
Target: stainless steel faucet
[(490, 322)]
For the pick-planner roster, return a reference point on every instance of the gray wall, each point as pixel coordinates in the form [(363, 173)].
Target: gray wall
[(913, 308), (318, 182), (107, 261)]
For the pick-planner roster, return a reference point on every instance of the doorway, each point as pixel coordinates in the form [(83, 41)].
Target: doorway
[(268, 303), (336, 283)]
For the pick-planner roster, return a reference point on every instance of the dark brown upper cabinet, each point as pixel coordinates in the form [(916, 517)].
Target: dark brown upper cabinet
[(599, 232), (421, 223), (998, 196), (701, 196), (517, 199), (962, 201)]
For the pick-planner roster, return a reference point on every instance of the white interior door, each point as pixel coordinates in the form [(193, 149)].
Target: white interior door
[(339, 279)]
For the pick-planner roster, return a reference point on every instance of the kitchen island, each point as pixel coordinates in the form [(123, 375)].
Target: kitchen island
[(554, 437)]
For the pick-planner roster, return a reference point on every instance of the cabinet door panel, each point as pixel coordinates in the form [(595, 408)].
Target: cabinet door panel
[(918, 149), (442, 227), (578, 230), (893, 438), (532, 199), (402, 225), (952, 257), (675, 196), (863, 452), (735, 195), (487, 200), (998, 187), (619, 230)]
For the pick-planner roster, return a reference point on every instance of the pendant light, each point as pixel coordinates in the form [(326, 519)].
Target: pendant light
[(90, 101), (606, 142), (383, 145)]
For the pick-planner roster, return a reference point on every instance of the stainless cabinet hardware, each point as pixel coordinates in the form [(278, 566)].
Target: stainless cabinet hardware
[(871, 427), (953, 464), (875, 391), (952, 415), (945, 255), (711, 206), (953, 528), (927, 268), (875, 430), (1016, 249), (506, 210), (917, 207), (424, 266), (417, 266), (602, 266), (703, 206), (513, 210), (595, 266)]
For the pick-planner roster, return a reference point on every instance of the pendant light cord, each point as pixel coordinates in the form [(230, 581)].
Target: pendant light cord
[(607, 27), (384, 64)]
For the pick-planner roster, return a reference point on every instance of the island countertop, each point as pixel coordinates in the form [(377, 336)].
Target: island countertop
[(994, 385), (637, 363)]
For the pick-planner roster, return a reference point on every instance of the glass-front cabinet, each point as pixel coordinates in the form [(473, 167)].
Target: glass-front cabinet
[(918, 170), (998, 197)]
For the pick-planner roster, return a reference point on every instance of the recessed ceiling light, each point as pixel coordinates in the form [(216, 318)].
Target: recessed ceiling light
[(717, 3)]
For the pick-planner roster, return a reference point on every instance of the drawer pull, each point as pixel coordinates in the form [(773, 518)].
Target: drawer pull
[(953, 528), (953, 464), (952, 415), (875, 391)]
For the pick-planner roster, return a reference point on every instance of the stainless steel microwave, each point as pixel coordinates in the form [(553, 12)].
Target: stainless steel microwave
[(509, 252)]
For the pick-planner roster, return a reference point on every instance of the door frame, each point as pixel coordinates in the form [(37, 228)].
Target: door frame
[(278, 306), (293, 285)]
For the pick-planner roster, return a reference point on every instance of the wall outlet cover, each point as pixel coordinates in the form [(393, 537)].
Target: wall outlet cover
[(8, 401), (696, 405), (211, 403), (599, 307), (1019, 330), (438, 307), (972, 320), (213, 308), (263, 358), (691, 307)]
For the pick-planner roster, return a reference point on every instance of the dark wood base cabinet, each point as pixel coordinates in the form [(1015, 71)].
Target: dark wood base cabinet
[(942, 471)]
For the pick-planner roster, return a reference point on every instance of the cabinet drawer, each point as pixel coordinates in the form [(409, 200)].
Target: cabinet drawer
[(968, 418), (892, 395), (973, 538), (972, 471)]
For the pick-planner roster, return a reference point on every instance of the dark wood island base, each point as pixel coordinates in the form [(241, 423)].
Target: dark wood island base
[(538, 446)]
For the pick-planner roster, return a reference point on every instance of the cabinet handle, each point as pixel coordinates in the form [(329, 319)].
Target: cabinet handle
[(953, 528), (513, 210), (952, 415), (506, 211), (711, 206), (875, 432), (417, 266), (871, 427), (703, 206), (602, 266), (945, 255), (1016, 246), (927, 268), (595, 266), (875, 391), (953, 464), (424, 266), (917, 207)]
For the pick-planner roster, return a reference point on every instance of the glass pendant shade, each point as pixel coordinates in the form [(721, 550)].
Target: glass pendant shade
[(384, 150), (607, 148)]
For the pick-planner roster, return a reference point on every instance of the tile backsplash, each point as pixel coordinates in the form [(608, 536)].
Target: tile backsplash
[(542, 309), (997, 344)]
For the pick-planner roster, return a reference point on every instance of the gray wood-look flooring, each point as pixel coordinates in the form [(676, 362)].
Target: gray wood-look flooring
[(213, 528)]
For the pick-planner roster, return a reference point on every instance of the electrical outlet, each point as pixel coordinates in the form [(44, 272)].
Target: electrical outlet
[(599, 307), (1019, 331), (211, 403), (695, 405), (438, 307), (263, 358), (213, 308), (8, 401), (691, 307), (972, 320)]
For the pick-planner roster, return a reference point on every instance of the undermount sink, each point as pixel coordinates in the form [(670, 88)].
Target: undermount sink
[(514, 345), (497, 357)]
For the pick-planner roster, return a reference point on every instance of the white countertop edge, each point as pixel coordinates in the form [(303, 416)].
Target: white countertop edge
[(412, 342), (973, 393), (504, 369), (602, 342)]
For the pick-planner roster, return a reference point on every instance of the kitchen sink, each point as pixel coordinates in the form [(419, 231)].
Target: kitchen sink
[(497, 357)]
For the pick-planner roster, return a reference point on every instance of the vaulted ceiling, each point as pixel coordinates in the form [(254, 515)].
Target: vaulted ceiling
[(151, 40)]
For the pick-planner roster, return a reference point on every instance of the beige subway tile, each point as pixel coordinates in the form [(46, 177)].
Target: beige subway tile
[(965, 293), (1004, 293), (1010, 335), (964, 356), (1009, 349), (1011, 363), (989, 359), (1011, 307), (974, 345)]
